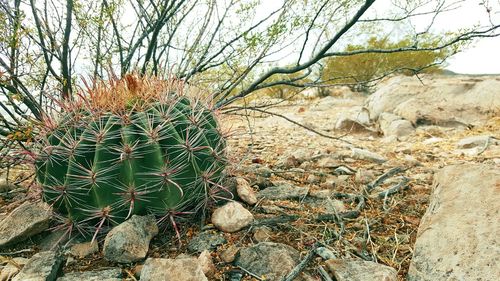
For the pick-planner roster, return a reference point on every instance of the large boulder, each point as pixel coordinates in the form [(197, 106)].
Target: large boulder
[(459, 236), (25, 221), (439, 100)]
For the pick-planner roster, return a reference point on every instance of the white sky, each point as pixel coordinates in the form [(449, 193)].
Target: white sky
[(483, 57)]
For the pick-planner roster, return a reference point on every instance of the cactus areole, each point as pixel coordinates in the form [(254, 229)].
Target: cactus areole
[(109, 158)]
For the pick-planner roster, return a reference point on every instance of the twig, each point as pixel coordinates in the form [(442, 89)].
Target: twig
[(17, 252), (310, 255), (336, 217), (486, 144), (394, 189), (276, 220), (304, 126), (250, 273), (382, 178), (291, 218), (324, 274), (130, 274)]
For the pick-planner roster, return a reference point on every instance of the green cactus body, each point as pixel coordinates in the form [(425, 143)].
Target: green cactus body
[(167, 157)]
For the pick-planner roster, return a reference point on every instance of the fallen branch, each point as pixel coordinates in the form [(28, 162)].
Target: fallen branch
[(319, 218), (310, 255), (382, 178), (17, 252), (486, 144), (336, 217), (250, 273), (276, 220), (324, 274), (394, 189)]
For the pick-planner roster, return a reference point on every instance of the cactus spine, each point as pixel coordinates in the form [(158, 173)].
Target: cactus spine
[(155, 157)]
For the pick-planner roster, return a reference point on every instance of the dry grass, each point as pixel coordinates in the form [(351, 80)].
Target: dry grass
[(131, 91)]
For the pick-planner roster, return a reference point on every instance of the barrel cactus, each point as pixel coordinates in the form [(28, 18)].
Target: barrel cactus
[(137, 146)]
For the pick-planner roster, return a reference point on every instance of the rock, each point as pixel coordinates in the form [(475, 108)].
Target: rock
[(183, 256), (262, 182), (43, 266), (137, 271), (434, 131), (410, 161), (54, 240), (440, 100), (321, 194), (82, 250), (362, 154), (475, 141), (313, 179), (333, 205), (327, 204), (6, 186), (360, 270), (12, 268), (331, 162), (325, 253), (283, 191), (301, 154), (306, 165), (287, 162), (207, 240), (188, 269), (327, 103), (229, 254), (393, 125), (272, 260), (332, 182), (129, 241), (207, 264), (113, 274), (432, 140), (364, 176), (355, 120), (350, 125), (389, 140), (422, 178), (386, 118), (23, 222), (458, 236), (262, 171), (245, 192), (399, 128), (231, 217), (262, 233)]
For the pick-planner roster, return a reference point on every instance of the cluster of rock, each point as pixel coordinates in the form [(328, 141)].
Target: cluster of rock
[(129, 242), (401, 104)]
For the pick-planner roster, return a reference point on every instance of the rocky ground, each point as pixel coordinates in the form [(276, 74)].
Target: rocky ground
[(401, 185)]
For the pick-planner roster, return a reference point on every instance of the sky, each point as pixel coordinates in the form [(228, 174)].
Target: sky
[(483, 56)]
